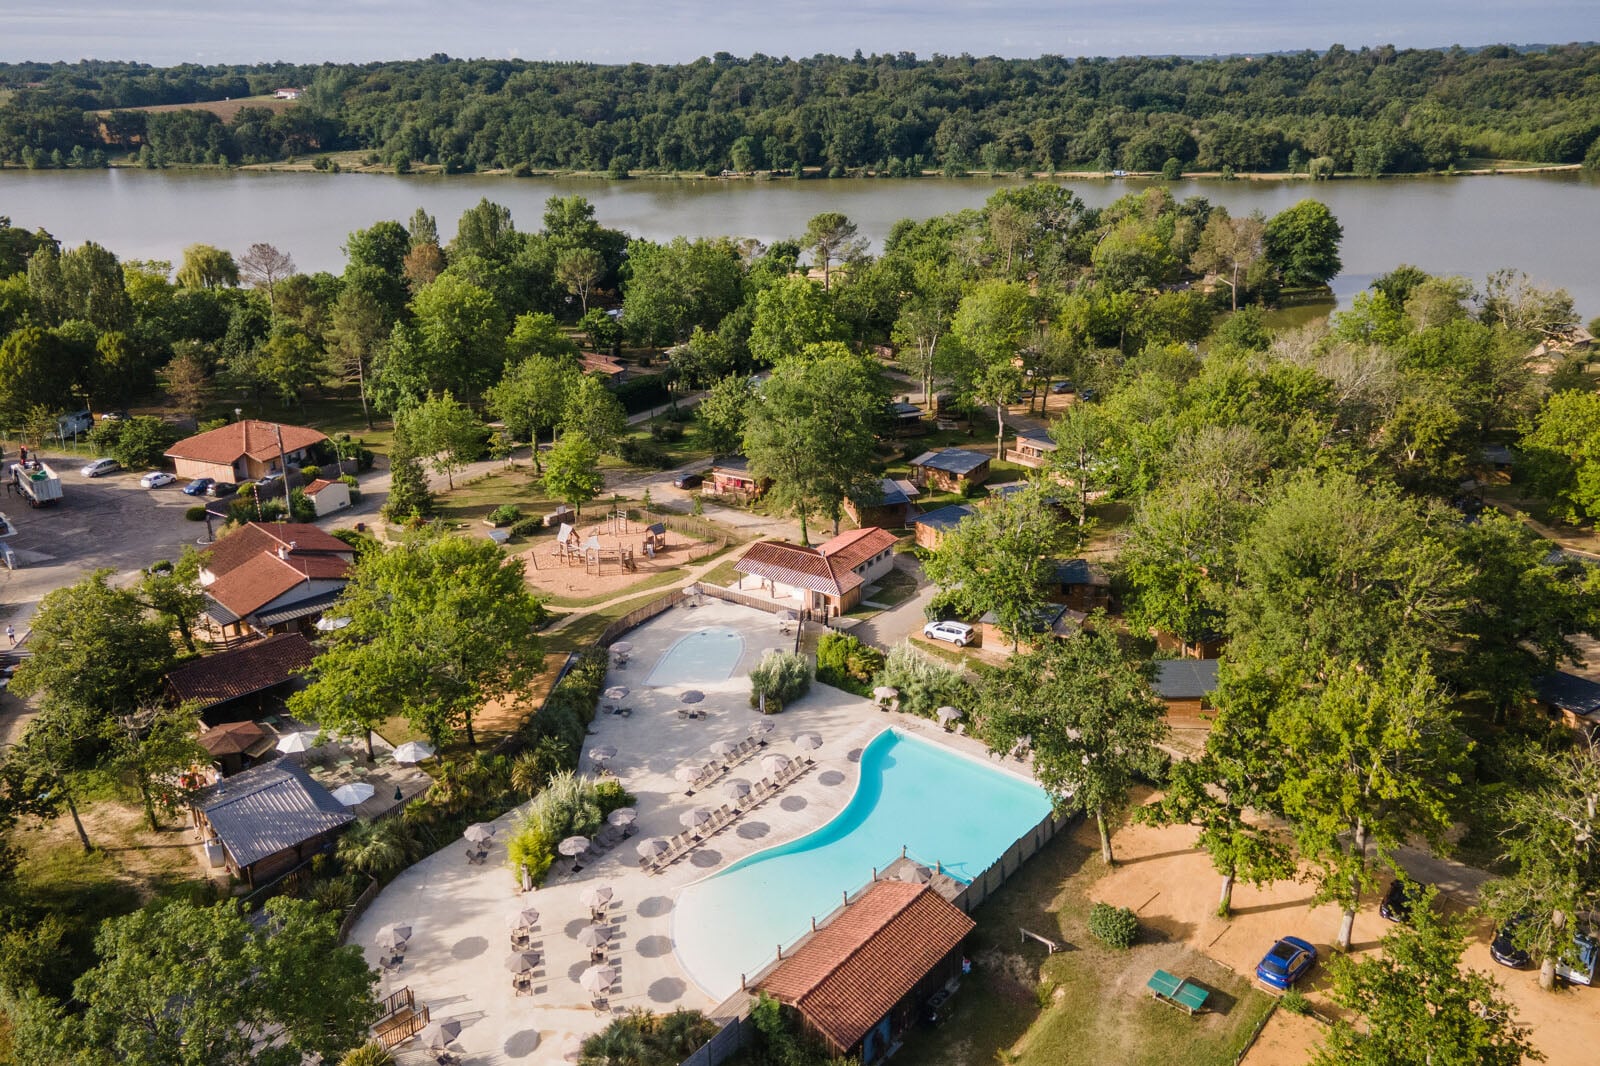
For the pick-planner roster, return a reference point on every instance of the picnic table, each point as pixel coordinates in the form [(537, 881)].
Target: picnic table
[(1178, 991)]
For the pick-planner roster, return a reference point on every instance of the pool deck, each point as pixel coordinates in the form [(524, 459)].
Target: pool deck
[(454, 962)]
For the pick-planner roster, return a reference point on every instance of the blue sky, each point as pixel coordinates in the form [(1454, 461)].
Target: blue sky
[(173, 31)]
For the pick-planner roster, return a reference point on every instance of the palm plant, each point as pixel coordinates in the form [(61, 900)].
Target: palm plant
[(618, 1044), (370, 1054), (374, 848)]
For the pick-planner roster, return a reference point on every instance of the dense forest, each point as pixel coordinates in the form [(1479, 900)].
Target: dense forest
[(1370, 112)]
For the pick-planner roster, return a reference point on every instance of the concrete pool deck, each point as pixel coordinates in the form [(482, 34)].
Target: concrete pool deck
[(454, 962)]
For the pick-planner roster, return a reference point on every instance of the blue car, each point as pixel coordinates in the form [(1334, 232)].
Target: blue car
[(1286, 963), (198, 486)]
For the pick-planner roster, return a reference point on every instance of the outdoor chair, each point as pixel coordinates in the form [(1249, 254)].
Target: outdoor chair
[(446, 1058), (625, 712), (601, 1005), (522, 984), (597, 956)]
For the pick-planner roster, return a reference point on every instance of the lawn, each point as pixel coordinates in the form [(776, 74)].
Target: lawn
[(1086, 1004), (894, 588), (585, 630)]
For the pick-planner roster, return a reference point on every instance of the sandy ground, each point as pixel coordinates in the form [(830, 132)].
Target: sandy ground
[(548, 573), (1174, 889)]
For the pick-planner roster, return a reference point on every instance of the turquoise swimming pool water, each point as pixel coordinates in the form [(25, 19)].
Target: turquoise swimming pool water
[(705, 655), (941, 806)]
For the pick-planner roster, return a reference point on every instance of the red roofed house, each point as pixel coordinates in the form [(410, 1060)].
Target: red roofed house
[(604, 365), (860, 981), (805, 576), (867, 553), (328, 496), (272, 577), (242, 451), (229, 685)]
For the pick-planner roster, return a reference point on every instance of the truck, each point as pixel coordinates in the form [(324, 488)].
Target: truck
[(36, 481)]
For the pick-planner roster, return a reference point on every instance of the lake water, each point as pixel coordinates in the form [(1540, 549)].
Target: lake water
[(1541, 223)]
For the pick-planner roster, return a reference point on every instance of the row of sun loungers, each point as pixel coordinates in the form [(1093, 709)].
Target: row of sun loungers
[(724, 816), (716, 769)]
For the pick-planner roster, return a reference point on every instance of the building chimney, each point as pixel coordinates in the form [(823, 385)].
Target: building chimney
[(283, 552)]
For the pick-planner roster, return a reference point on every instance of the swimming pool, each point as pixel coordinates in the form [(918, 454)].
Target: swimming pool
[(940, 805), (705, 655)]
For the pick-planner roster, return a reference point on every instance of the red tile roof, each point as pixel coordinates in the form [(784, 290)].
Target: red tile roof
[(853, 971), (256, 564), (265, 538), (258, 440), (854, 547), (796, 566), (228, 675), (595, 363), (317, 486)]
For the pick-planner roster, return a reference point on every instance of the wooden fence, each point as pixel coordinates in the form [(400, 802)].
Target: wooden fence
[(744, 599), (725, 1044), (359, 907), (638, 616), (1024, 848)]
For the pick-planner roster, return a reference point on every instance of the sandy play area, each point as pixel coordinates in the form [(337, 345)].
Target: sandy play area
[(606, 558), (1173, 888)]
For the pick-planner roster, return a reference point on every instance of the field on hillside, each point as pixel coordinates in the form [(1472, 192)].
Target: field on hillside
[(225, 109)]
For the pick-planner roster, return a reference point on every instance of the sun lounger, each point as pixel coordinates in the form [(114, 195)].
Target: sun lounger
[(1178, 991)]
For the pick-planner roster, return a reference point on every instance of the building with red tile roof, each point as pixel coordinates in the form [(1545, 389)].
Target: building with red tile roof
[(868, 552), (214, 680), (270, 577), (805, 576), (243, 451), (860, 980)]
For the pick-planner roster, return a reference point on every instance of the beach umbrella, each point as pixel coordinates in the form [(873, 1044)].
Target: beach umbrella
[(694, 819), (788, 616), (623, 646), (598, 979), (412, 751), (693, 695), (479, 832), (522, 961), (617, 692), (760, 728), (775, 763), (884, 692), (571, 1047), (350, 795), (916, 873), (290, 743), (595, 896), (622, 816), (649, 849), (393, 935), (328, 625), (689, 773), (724, 748), (439, 1035), (602, 753), (808, 741), (522, 918), (573, 846), (946, 715), (593, 936), (736, 788)]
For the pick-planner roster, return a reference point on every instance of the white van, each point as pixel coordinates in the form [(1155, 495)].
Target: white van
[(74, 424)]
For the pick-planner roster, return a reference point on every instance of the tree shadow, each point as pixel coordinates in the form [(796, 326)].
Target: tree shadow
[(469, 947), (1282, 905)]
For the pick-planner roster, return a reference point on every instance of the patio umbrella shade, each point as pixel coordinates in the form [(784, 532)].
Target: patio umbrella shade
[(598, 979), (595, 896), (724, 748), (946, 715), (617, 692), (593, 936), (775, 764), (522, 918), (885, 692), (695, 818), (479, 832), (649, 849), (623, 646), (808, 741), (737, 788), (412, 751), (572, 847), (622, 816), (916, 873), (357, 793), (290, 743), (689, 773), (393, 935), (692, 695), (522, 961), (439, 1035), (235, 738), (329, 625)]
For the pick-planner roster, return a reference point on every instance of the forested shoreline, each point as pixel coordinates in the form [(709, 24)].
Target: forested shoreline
[(1369, 112)]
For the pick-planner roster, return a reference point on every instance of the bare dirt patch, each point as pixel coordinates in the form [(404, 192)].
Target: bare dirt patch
[(600, 574)]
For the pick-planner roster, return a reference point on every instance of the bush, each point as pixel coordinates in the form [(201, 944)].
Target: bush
[(506, 514), (612, 796), (924, 685), (642, 393), (349, 481), (652, 1039), (1117, 927), (645, 454), (370, 1054), (1295, 1002), (666, 432), (527, 527), (197, 513), (846, 663), (310, 472), (782, 677)]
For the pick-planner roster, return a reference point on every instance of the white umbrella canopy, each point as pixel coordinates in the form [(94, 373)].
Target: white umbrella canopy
[(602, 753), (622, 816), (689, 773), (573, 846), (649, 849), (522, 961), (290, 743), (479, 832), (947, 714), (393, 935), (617, 692), (351, 795), (598, 979), (808, 741), (775, 763), (439, 1035), (413, 751), (695, 818), (328, 625), (595, 896), (760, 728), (623, 646), (522, 918), (692, 695), (593, 936), (724, 748), (885, 692), (736, 788)]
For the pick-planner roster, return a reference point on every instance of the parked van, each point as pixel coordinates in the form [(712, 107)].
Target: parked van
[(74, 424), (1588, 951)]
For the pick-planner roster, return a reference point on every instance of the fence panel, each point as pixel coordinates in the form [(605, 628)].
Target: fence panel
[(744, 599)]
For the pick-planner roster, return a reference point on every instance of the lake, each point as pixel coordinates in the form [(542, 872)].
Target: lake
[(1541, 223)]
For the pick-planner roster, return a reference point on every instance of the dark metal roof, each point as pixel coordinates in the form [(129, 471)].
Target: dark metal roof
[(1498, 455), (1569, 692), (264, 810), (1081, 572), (1045, 617), (1185, 679), (298, 609), (906, 410), (956, 461), (947, 517)]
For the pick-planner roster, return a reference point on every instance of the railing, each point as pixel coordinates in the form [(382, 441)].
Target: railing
[(359, 907), (744, 599), (403, 998), (398, 1030)]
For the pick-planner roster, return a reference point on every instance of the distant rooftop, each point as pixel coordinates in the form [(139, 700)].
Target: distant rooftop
[(1185, 679), (947, 517), (958, 461)]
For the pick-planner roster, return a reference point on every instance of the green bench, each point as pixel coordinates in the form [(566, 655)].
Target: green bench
[(1177, 991)]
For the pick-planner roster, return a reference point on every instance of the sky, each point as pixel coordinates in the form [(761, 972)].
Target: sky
[(165, 32)]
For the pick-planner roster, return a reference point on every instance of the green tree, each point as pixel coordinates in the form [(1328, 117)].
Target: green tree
[(593, 410), (1179, 559), (1562, 451), (830, 237), (532, 396), (1421, 1008), (1002, 558), (357, 332), (723, 413), (1230, 248), (811, 431), (917, 333), (206, 267), (439, 625), (1378, 759), (791, 314), (540, 334), (1302, 244), (572, 471), (461, 330), (30, 371), (447, 434), (579, 270), (673, 287), (1085, 708), (172, 591), (409, 494)]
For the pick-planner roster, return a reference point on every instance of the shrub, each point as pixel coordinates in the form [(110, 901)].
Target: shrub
[(612, 796), (506, 514), (844, 662), (924, 685), (300, 506), (1295, 1002), (650, 1039), (666, 432), (645, 454), (1117, 927), (527, 527), (371, 1054), (333, 893), (782, 677), (311, 471), (197, 513), (642, 393)]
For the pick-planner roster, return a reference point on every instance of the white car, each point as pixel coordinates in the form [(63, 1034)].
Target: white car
[(957, 633), (155, 479), (101, 466)]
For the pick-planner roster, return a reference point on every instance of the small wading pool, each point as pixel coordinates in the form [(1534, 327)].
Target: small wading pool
[(703, 656), (939, 804)]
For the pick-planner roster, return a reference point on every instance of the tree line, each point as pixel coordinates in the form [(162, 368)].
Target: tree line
[(1371, 111)]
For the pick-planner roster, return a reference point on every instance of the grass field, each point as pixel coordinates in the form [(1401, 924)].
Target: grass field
[(224, 109)]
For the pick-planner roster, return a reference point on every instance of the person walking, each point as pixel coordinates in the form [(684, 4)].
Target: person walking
[(11, 635)]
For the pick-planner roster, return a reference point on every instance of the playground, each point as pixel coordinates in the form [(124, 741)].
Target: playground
[(608, 556)]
